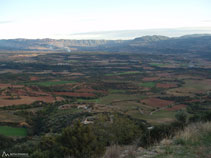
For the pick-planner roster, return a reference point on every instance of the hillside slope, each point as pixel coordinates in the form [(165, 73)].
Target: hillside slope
[(193, 142)]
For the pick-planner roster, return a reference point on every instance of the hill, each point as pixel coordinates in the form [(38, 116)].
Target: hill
[(147, 44), (52, 44), (192, 142)]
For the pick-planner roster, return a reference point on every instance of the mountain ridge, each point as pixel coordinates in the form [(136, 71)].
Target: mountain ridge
[(187, 43)]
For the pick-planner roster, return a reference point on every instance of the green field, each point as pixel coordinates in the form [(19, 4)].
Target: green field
[(49, 83), (116, 91), (13, 131), (147, 84)]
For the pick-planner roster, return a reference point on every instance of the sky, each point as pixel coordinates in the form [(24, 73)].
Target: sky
[(64, 18)]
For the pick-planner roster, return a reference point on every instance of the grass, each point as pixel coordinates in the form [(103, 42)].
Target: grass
[(116, 91), (118, 97), (72, 61), (197, 84), (9, 116), (160, 117), (13, 131), (116, 151), (148, 84), (195, 132), (157, 64), (194, 141), (184, 65), (87, 100), (190, 87), (49, 83)]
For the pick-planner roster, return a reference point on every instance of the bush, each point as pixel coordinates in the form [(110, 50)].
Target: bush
[(181, 116), (159, 132), (6, 142), (80, 142), (77, 141), (117, 130), (125, 131), (205, 116)]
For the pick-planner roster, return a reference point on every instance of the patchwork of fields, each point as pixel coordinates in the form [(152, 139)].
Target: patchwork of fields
[(139, 86)]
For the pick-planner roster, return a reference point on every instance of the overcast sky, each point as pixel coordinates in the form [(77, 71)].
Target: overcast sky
[(60, 18)]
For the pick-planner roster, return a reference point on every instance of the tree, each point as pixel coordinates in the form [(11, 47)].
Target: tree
[(37, 122), (116, 129), (181, 116), (125, 131), (80, 142)]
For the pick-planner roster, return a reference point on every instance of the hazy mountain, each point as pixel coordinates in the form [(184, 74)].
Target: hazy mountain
[(131, 34), (52, 44), (145, 40), (155, 43)]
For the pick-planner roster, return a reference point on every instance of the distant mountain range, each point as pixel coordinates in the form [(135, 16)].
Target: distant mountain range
[(155, 43), (131, 34)]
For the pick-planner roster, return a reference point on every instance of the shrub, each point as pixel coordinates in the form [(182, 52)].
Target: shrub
[(194, 133), (5, 142), (80, 142), (181, 116), (118, 130)]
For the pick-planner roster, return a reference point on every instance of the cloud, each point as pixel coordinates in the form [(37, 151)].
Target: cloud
[(5, 22)]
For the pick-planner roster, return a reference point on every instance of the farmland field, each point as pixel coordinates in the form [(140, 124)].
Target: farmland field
[(13, 131), (139, 86), (102, 90), (147, 84)]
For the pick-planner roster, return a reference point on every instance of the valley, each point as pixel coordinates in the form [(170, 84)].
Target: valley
[(152, 87)]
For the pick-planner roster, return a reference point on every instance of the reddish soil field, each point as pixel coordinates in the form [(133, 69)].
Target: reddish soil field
[(4, 101), (192, 101), (76, 74), (26, 95), (163, 74), (73, 94), (33, 78), (26, 91), (176, 107), (59, 98), (85, 90), (145, 89), (2, 86), (155, 102), (166, 85), (17, 86), (150, 78)]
